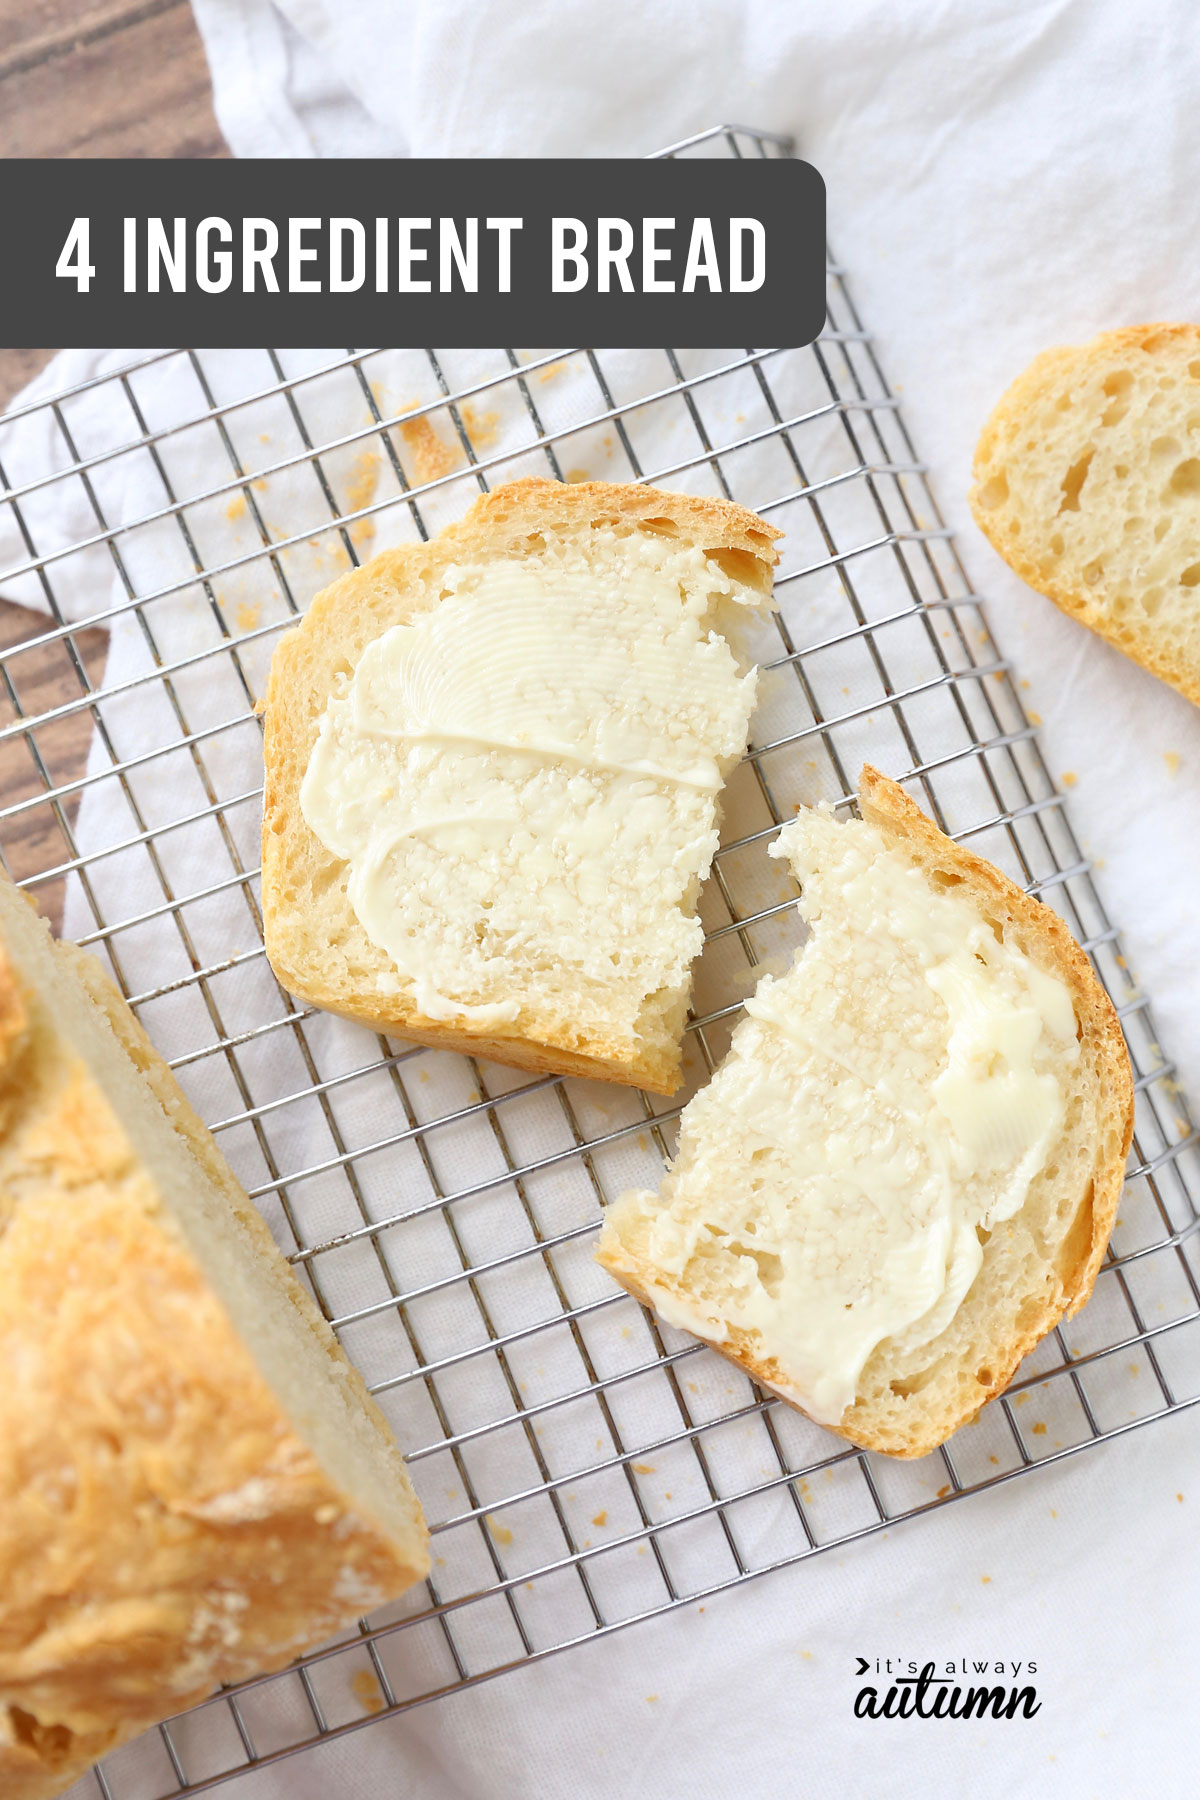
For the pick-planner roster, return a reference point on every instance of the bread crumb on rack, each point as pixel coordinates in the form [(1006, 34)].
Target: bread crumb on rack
[(368, 1692), (500, 1533), (1172, 760), (482, 428), (432, 457)]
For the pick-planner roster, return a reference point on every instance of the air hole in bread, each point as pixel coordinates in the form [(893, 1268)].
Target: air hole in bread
[(1151, 601), (1093, 572), (1056, 544), (660, 527), (943, 879), (906, 1386), (984, 1377), (1163, 447), (325, 878), (1161, 528), (769, 1266), (1073, 480), (1117, 386), (1121, 471), (1186, 478), (740, 566), (1194, 370), (1190, 576), (994, 493)]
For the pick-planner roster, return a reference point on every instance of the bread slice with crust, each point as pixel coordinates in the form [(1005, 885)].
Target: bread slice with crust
[(1087, 481), (907, 1168), (494, 842), (195, 1485)]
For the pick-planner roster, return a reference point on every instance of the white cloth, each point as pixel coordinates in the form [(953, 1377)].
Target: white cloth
[(1000, 178)]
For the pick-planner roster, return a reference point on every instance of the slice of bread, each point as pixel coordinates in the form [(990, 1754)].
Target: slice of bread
[(1087, 481), (493, 764), (195, 1485), (906, 1170)]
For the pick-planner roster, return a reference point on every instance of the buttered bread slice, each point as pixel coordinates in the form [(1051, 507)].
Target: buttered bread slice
[(493, 768), (906, 1170)]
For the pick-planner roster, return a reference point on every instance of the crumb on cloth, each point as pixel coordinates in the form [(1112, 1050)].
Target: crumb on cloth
[(367, 1691)]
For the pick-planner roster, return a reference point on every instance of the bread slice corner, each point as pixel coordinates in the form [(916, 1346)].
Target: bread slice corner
[(315, 942), (1087, 482), (1036, 1268)]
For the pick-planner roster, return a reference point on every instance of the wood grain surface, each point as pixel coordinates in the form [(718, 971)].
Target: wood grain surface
[(104, 78)]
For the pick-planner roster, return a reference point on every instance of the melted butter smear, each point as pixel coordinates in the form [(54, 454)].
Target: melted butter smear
[(878, 1137), (525, 776)]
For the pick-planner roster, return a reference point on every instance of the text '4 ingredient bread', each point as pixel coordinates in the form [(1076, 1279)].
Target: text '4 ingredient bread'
[(1087, 481), (493, 769), (906, 1170), (195, 1485)]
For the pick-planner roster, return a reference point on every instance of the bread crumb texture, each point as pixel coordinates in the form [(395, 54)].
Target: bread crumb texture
[(1087, 481), (877, 1209)]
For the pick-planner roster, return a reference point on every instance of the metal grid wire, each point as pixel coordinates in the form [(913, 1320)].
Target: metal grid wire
[(504, 1422)]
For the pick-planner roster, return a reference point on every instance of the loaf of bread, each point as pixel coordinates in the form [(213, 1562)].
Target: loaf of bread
[(493, 764), (1087, 481), (195, 1485), (906, 1170)]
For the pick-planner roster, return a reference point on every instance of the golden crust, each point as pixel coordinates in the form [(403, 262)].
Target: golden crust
[(998, 446), (387, 591), (163, 1527), (1047, 941)]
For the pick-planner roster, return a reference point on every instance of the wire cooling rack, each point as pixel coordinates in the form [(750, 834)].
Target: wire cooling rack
[(581, 1466)]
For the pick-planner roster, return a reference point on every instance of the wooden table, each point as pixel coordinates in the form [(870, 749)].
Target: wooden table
[(100, 78), (83, 78), (104, 78)]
